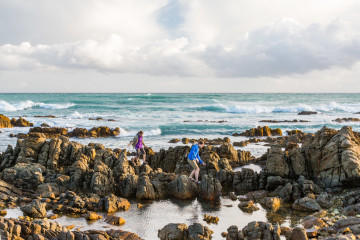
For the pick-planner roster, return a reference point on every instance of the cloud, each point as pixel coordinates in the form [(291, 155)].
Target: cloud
[(282, 48)]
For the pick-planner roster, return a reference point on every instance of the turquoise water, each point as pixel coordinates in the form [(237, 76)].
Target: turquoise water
[(162, 116)]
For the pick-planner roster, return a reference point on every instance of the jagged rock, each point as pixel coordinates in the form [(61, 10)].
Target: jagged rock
[(114, 220), (246, 179), (30, 148), (92, 216), (183, 188), (262, 131), (276, 165), (145, 189), (21, 122), (128, 186), (210, 189), (341, 120), (248, 206), (5, 122), (113, 203), (233, 233), (273, 182), (306, 204), (180, 231), (271, 203), (173, 231), (299, 233), (35, 209), (197, 231), (94, 132), (46, 189), (260, 230), (49, 132), (24, 175)]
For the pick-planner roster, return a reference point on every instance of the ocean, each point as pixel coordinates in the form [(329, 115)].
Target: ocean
[(166, 116)]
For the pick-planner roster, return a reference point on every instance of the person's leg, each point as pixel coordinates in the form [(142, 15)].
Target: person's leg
[(192, 173), (137, 155), (144, 155), (197, 174)]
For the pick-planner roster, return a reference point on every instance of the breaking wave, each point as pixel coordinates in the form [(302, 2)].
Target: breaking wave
[(13, 107)]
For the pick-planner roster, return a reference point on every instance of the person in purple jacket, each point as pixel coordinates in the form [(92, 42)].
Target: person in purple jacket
[(193, 159), (139, 145)]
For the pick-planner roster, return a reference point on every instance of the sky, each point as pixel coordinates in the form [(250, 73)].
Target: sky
[(179, 46)]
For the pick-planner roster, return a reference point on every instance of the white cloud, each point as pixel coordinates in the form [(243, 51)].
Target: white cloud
[(281, 48), (208, 40)]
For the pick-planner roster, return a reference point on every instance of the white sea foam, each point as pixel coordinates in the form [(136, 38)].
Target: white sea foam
[(12, 107), (237, 108), (75, 115), (152, 132)]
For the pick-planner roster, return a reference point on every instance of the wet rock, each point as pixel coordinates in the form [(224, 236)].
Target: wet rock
[(183, 188), (113, 203), (232, 233), (306, 204), (271, 203), (260, 230), (299, 233), (307, 113), (210, 219), (248, 206), (173, 231), (197, 231), (114, 220), (35, 209), (175, 140), (246, 179), (210, 189), (92, 216)]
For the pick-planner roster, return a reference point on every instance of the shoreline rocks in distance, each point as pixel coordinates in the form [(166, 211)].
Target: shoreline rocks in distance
[(206, 121), (45, 116), (350, 119), (307, 113), (95, 132), (260, 132), (5, 122), (284, 121)]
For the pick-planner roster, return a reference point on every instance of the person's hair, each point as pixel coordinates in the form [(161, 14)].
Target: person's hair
[(201, 142), (140, 133)]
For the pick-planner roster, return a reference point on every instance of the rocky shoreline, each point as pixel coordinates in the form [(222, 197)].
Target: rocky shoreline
[(44, 173)]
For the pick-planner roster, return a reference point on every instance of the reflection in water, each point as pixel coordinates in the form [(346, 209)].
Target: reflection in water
[(254, 167), (154, 215)]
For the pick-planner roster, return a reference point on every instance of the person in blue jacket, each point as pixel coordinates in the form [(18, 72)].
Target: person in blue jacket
[(194, 158)]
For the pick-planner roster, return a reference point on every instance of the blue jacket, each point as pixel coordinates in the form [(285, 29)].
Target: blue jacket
[(194, 153)]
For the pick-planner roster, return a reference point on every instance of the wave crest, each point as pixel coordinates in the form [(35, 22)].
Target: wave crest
[(333, 106), (13, 107)]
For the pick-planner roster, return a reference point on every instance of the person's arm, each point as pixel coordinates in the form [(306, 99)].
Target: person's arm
[(143, 143), (199, 158)]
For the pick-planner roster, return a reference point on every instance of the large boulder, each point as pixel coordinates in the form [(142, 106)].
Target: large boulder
[(210, 189), (145, 189), (173, 231), (246, 179), (113, 203), (183, 188), (276, 163), (30, 148), (197, 231), (306, 204), (5, 122), (35, 209)]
